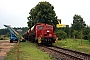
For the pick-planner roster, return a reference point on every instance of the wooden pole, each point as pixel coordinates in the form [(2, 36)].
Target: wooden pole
[(18, 44)]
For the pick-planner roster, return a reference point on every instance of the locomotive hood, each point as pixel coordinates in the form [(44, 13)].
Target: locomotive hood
[(47, 32)]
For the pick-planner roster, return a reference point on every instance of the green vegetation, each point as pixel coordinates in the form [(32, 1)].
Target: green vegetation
[(61, 34), (2, 37), (75, 45), (4, 31), (28, 51), (78, 23), (43, 12)]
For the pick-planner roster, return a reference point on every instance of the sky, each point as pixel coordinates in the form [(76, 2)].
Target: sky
[(15, 12)]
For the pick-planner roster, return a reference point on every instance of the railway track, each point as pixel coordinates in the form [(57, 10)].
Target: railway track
[(67, 54)]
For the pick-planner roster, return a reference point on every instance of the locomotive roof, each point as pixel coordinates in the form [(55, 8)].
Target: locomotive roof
[(42, 23)]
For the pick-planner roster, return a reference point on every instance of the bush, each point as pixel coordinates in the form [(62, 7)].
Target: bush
[(85, 37), (61, 35), (1, 39), (89, 36)]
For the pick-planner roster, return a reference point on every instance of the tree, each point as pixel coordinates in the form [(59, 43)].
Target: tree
[(67, 30), (86, 31), (75, 34), (89, 37), (78, 23), (81, 36), (43, 12), (3, 31)]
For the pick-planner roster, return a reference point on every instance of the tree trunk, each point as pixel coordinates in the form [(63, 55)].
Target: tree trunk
[(74, 37)]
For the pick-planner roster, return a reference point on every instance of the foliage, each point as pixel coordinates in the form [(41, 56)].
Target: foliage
[(80, 35), (61, 34), (89, 37), (3, 31), (86, 31), (67, 30), (75, 34), (78, 27), (43, 12), (78, 23)]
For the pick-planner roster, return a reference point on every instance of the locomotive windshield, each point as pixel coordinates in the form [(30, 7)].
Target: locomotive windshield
[(40, 27), (49, 27)]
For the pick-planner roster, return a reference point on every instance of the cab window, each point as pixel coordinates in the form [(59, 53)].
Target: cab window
[(49, 27), (40, 27)]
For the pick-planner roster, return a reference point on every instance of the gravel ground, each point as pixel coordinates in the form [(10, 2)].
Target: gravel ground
[(5, 46)]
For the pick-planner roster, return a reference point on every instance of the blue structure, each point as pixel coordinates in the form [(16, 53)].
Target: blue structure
[(14, 34)]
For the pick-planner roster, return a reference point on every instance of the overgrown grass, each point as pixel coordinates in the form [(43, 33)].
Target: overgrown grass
[(28, 51), (4, 38), (75, 45)]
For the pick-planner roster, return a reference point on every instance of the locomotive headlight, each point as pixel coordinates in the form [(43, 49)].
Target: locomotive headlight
[(48, 31)]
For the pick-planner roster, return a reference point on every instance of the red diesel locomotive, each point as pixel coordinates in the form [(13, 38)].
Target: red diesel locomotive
[(41, 33)]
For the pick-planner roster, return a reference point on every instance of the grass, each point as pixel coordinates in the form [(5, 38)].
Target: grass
[(28, 51), (75, 45), (4, 38)]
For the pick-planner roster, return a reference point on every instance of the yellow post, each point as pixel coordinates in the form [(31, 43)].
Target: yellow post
[(56, 40), (39, 39)]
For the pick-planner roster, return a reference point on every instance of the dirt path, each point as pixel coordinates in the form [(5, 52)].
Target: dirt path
[(5, 46)]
